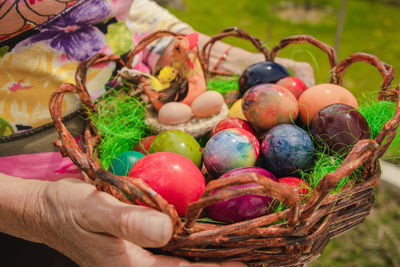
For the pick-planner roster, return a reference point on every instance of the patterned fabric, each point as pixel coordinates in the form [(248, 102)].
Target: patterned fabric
[(43, 41)]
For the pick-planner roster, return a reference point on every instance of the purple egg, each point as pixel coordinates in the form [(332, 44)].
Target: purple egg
[(243, 207), (339, 126)]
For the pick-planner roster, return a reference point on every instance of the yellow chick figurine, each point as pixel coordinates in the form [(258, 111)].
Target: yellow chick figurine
[(165, 77)]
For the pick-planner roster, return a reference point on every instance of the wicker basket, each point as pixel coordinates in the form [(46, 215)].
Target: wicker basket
[(290, 237)]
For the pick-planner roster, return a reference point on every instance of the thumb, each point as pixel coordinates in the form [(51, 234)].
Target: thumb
[(145, 227)]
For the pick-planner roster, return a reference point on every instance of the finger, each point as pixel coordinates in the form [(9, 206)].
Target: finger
[(145, 227)]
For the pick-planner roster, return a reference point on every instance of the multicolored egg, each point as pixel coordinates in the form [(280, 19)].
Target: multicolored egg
[(286, 149), (178, 142), (230, 149), (243, 207), (339, 127), (267, 105)]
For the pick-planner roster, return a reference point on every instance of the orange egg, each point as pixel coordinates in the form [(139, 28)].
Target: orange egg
[(319, 96)]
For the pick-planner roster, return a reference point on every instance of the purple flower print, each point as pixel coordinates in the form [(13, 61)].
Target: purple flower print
[(73, 32)]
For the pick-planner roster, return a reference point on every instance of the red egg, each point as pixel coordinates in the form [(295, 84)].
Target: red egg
[(232, 123), (319, 96), (293, 84), (177, 179), (301, 187), (143, 145)]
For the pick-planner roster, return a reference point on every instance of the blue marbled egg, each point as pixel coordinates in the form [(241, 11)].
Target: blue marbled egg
[(286, 149)]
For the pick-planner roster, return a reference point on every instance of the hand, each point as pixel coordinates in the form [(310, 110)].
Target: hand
[(89, 226)]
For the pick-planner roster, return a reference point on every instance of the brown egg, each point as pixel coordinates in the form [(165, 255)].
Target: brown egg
[(174, 113), (207, 104), (320, 96)]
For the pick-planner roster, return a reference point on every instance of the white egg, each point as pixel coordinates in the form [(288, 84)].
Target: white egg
[(207, 104), (174, 113)]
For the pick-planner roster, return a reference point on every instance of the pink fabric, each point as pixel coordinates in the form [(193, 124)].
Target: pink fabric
[(50, 166)]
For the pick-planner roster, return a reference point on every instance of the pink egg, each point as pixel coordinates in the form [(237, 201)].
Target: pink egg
[(267, 105), (177, 179), (319, 96)]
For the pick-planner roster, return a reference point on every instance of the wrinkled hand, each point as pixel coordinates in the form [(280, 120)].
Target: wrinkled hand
[(95, 229)]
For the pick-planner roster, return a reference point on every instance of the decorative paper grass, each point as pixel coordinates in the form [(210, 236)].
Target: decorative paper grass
[(377, 113), (223, 84), (120, 122)]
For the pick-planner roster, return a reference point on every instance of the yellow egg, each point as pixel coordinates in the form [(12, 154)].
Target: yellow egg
[(174, 113), (236, 110), (207, 104)]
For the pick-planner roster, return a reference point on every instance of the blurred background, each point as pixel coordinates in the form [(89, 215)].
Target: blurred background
[(371, 26)]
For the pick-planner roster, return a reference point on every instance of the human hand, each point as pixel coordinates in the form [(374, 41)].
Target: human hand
[(95, 229)]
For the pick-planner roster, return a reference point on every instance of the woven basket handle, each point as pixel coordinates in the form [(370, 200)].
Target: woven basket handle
[(389, 130), (68, 147), (148, 40), (385, 70), (385, 93), (235, 32), (267, 187), (297, 39)]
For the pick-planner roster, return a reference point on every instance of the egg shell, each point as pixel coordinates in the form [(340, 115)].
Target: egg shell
[(293, 84), (236, 110), (267, 105), (207, 104), (174, 113), (320, 96)]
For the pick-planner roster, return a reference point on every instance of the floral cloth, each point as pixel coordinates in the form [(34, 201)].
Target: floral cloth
[(43, 41)]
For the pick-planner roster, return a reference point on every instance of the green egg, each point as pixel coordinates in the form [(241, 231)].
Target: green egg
[(178, 142), (121, 164)]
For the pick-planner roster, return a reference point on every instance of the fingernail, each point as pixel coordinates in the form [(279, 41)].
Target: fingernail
[(157, 230)]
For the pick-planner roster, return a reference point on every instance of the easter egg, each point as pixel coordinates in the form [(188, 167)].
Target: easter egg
[(319, 96), (286, 149), (144, 144), (267, 105), (232, 123), (242, 207), (178, 180), (178, 142), (293, 84), (173, 113), (261, 72), (122, 163), (339, 126), (236, 110), (230, 149), (302, 188), (207, 104)]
